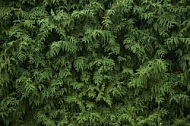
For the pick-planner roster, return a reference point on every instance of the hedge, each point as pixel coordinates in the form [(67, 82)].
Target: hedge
[(95, 62)]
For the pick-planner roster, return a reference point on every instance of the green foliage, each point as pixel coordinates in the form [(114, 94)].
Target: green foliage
[(97, 63)]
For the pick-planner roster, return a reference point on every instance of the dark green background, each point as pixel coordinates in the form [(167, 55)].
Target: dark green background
[(95, 62)]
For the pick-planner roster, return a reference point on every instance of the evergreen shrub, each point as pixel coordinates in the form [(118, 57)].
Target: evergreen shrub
[(95, 62)]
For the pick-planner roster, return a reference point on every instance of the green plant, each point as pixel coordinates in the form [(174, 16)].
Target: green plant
[(91, 62)]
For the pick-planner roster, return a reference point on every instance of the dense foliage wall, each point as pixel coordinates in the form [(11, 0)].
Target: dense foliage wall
[(95, 62)]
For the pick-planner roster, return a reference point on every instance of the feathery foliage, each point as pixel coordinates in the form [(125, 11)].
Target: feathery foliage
[(92, 62)]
